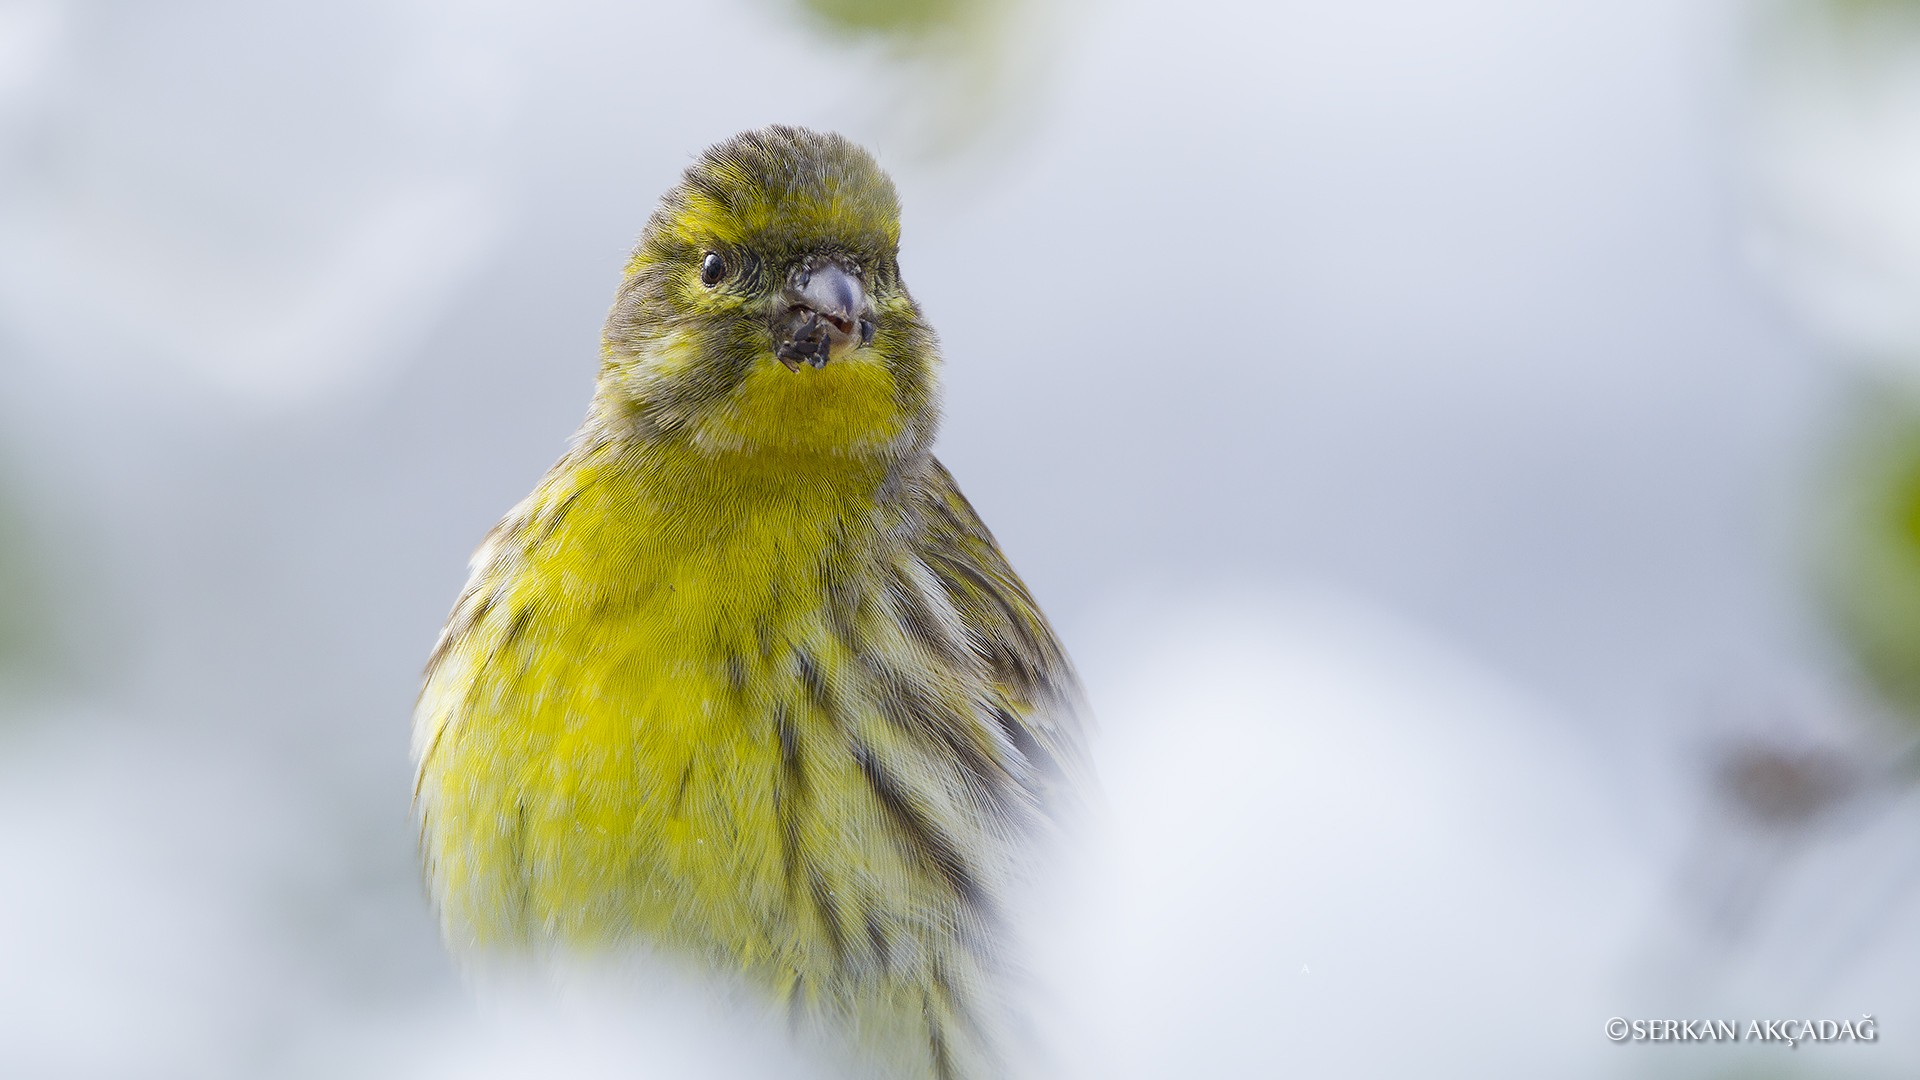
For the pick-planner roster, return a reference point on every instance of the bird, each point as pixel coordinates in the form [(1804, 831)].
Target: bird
[(746, 681)]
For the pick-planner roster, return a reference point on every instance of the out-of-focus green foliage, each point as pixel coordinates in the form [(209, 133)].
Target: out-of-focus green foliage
[(960, 68), (1860, 7), (1872, 570), (908, 17), (1875, 26), (27, 649), (1870, 23)]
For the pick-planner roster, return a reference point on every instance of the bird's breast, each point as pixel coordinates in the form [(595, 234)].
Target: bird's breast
[(633, 699)]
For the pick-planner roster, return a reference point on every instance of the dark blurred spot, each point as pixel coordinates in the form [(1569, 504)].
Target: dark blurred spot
[(1785, 788)]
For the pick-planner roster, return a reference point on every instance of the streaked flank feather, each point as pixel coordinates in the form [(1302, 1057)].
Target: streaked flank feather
[(745, 679)]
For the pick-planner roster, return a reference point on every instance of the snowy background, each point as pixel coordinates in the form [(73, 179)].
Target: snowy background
[(1416, 417)]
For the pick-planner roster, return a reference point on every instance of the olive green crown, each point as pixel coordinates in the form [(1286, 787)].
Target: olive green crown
[(779, 188)]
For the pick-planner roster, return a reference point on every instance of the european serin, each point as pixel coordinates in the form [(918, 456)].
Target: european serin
[(745, 680)]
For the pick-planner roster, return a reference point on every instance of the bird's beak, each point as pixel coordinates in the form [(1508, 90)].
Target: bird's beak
[(824, 310)]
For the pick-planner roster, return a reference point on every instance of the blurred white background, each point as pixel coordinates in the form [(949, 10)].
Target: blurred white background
[(1411, 414)]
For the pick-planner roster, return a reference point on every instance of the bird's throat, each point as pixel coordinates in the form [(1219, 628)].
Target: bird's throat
[(847, 408)]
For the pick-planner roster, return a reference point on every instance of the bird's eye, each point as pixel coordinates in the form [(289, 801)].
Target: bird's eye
[(712, 269)]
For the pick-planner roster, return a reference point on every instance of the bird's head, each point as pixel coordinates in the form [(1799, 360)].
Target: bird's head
[(763, 308)]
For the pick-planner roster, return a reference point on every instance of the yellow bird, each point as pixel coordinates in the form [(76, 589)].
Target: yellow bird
[(745, 680)]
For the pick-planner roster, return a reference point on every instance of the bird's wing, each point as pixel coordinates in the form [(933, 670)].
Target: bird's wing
[(1040, 703)]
